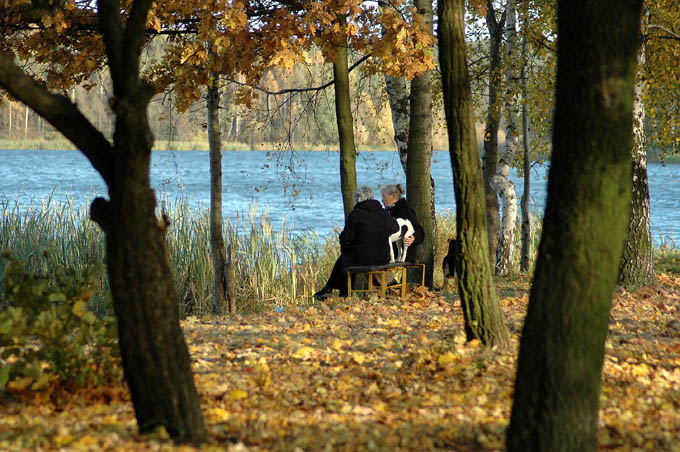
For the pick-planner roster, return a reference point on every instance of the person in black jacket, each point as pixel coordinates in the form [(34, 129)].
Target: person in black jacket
[(363, 241), (396, 205)]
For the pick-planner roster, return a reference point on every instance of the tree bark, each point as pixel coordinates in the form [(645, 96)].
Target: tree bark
[(398, 96), (637, 263), (481, 307), (501, 182), (419, 184), (217, 251), (525, 258), (154, 355), (343, 116), (561, 352), (493, 219)]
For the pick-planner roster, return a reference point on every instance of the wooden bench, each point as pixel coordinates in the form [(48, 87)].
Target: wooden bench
[(380, 272)]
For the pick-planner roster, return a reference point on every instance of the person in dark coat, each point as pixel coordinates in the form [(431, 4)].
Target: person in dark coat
[(363, 241), (396, 205)]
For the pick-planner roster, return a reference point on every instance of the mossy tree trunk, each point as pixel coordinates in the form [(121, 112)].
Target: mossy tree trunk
[(525, 257), (217, 248), (343, 117), (557, 388), (481, 307), (155, 357), (419, 184)]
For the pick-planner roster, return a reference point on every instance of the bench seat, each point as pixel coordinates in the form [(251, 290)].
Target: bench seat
[(380, 271)]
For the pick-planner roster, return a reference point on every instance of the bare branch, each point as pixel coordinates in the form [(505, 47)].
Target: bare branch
[(670, 33), (299, 90)]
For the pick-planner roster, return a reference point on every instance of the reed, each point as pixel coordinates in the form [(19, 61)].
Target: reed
[(272, 266)]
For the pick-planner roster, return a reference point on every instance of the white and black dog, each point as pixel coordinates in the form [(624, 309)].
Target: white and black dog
[(397, 246)]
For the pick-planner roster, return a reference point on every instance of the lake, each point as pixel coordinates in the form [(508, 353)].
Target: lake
[(298, 189)]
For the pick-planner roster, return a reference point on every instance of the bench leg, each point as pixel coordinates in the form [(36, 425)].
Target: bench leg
[(383, 283), (403, 282), (349, 284)]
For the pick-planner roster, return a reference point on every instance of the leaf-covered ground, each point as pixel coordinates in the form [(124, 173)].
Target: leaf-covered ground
[(373, 375)]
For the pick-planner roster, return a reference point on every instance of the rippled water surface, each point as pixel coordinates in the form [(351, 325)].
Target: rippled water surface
[(302, 188)]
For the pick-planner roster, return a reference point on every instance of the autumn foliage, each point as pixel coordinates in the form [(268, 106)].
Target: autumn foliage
[(373, 375)]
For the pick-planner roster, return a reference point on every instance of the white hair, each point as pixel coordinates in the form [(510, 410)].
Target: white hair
[(363, 193), (393, 189)]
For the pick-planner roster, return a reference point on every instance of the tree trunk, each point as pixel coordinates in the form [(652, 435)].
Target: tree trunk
[(217, 251), (561, 352), (481, 307), (493, 218), (343, 116), (525, 258), (419, 184), (398, 95), (637, 263), (501, 182), (154, 355)]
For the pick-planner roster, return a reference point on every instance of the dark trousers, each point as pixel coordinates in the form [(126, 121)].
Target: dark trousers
[(338, 277)]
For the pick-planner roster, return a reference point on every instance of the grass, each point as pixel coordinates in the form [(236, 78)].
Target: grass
[(272, 267)]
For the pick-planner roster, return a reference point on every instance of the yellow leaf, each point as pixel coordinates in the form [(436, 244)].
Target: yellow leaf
[(20, 384), (358, 357), (393, 323), (217, 415), (237, 394), (446, 359), (42, 382), (79, 308), (87, 441), (337, 344), (63, 440), (304, 353)]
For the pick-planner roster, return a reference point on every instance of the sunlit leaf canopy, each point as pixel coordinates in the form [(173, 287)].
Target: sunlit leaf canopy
[(662, 75), (205, 39)]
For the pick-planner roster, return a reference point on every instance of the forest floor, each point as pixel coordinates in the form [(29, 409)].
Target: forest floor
[(354, 375)]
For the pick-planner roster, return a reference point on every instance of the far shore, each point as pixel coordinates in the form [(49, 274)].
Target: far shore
[(653, 156)]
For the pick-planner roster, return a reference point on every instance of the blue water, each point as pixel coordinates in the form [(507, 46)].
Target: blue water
[(301, 189)]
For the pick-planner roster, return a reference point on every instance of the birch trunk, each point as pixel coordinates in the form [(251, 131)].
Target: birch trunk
[(637, 264), (217, 250), (398, 95), (495, 28), (343, 116), (501, 183)]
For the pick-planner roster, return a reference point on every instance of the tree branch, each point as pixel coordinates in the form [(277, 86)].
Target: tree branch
[(299, 90), (62, 114), (671, 34)]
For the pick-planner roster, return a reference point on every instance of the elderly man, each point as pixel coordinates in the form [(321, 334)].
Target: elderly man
[(363, 241)]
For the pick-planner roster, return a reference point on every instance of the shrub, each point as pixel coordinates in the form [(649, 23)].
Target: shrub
[(48, 334)]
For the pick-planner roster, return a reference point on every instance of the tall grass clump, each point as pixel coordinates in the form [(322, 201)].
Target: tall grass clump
[(54, 236), (667, 256), (271, 267)]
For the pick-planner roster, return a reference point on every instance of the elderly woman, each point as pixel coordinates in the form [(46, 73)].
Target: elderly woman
[(363, 241), (396, 205)]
